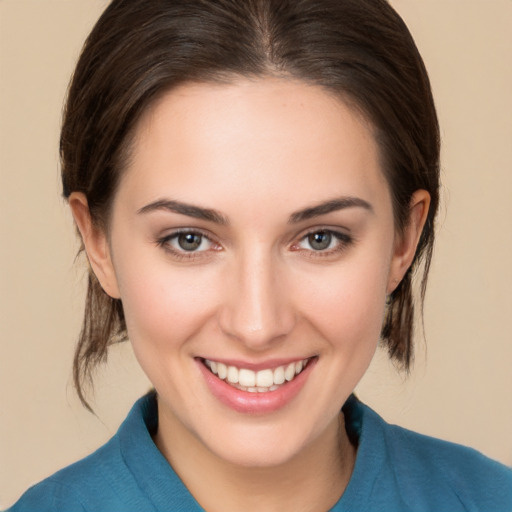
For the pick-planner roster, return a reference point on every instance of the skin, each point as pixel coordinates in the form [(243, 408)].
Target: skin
[(256, 152)]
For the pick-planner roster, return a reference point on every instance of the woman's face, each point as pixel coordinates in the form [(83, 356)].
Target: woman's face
[(252, 234)]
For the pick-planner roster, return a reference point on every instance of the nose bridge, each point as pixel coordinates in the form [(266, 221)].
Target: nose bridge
[(257, 310)]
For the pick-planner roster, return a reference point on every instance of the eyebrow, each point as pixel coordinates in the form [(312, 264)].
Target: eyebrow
[(185, 209), (216, 217), (332, 205)]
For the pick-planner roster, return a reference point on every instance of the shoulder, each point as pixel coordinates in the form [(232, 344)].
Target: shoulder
[(475, 478), (101, 481), (431, 472), (127, 474), (81, 486), (400, 470)]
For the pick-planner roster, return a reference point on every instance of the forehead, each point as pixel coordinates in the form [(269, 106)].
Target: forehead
[(253, 139)]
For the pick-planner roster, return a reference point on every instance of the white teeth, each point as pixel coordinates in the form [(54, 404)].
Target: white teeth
[(265, 378), (289, 373), (232, 374), (279, 375), (246, 377), (222, 371), (262, 381)]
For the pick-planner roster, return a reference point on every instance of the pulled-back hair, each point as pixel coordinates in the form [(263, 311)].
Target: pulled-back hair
[(360, 50)]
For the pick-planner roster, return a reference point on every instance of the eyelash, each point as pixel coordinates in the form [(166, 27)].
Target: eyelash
[(343, 242), (165, 243)]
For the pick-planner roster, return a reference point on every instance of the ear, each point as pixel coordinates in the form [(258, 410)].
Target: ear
[(95, 243), (406, 242)]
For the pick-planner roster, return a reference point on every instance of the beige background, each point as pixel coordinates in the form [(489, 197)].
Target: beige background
[(461, 386)]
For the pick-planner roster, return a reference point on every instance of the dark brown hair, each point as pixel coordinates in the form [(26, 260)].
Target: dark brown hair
[(360, 50)]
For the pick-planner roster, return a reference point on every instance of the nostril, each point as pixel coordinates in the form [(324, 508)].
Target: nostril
[(256, 327)]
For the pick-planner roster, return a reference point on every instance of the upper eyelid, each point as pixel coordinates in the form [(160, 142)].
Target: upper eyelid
[(342, 232), (169, 234)]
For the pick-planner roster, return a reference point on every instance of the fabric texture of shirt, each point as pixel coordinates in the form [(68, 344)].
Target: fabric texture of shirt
[(395, 470)]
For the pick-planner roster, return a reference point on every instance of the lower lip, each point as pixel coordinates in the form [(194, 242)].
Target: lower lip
[(255, 403)]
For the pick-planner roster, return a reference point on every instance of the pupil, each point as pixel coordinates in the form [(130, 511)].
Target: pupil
[(320, 241), (189, 241)]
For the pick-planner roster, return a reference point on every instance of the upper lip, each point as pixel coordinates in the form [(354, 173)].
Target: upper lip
[(256, 366)]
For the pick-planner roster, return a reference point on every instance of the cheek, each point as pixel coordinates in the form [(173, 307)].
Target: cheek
[(347, 303), (163, 306)]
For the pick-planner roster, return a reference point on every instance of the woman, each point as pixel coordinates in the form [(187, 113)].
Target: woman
[(255, 184)]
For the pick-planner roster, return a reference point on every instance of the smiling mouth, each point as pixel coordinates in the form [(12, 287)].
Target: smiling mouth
[(261, 381)]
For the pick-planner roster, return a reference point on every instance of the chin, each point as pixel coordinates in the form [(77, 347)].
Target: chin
[(260, 450), (265, 442)]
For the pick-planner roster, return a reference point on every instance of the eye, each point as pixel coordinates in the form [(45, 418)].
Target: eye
[(187, 243), (320, 241), (323, 242)]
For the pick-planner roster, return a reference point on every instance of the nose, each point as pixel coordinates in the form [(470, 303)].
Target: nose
[(257, 308)]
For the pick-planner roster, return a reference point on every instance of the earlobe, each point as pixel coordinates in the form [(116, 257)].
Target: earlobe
[(407, 242), (95, 243)]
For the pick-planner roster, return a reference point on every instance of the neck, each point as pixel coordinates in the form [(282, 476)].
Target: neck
[(313, 480)]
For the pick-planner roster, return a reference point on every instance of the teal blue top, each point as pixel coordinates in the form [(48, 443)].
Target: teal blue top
[(396, 470)]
